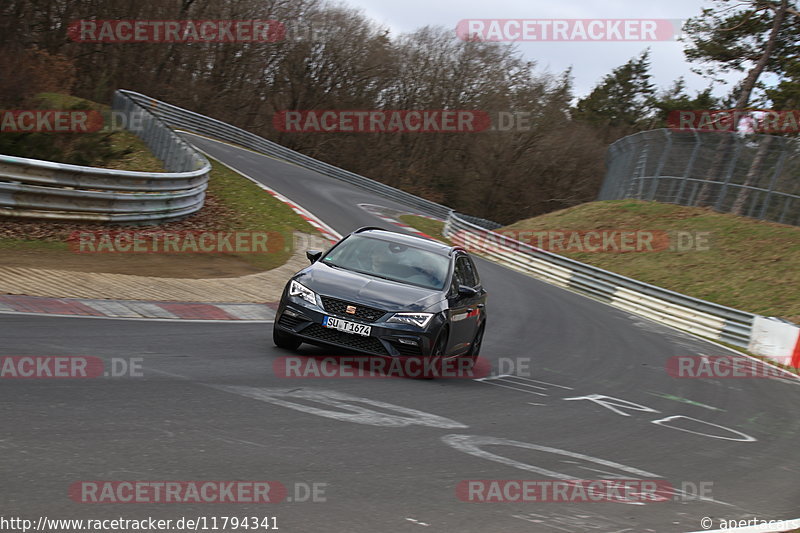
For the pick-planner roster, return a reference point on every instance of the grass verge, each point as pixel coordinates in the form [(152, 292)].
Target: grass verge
[(110, 147), (744, 263), (426, 225), (233, 203), (741, 262)]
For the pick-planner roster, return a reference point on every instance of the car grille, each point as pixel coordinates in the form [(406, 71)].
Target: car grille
[(367, 344), (339, 307)]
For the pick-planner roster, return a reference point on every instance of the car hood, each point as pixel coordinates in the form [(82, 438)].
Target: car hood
[(367, 290)]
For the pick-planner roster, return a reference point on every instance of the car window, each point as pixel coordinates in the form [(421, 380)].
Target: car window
[(464, 272), (473, 272), (454, 284), (390, 260)]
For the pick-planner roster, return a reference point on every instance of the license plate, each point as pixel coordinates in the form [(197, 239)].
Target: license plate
[(346, 326)]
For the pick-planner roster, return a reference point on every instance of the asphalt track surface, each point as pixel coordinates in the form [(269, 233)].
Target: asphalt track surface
[(390, 452)]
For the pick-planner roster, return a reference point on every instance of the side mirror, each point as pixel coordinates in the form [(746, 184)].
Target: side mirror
[(466, 292), (313, 255)]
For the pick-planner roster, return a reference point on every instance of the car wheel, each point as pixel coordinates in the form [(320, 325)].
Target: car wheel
[(471, 357), (439, 350), (284, 340), (475, 349), (440, 347)]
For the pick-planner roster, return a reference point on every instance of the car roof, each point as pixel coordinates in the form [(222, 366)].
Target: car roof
[(410, 240)]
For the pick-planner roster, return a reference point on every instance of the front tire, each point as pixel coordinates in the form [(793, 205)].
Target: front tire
[(284, 340), (471, 356), (475, 348), (438, 351)]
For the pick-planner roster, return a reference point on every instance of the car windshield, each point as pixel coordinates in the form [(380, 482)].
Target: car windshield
[(390, 260)]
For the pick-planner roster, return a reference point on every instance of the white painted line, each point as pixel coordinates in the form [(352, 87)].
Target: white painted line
[(513, 388), (548, 383)]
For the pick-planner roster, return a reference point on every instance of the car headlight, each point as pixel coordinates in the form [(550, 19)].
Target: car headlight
[(415, 319), (298, 289)]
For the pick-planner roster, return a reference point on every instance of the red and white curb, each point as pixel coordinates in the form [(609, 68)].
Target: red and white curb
[(183, 311), (324, 229), (84, 307)]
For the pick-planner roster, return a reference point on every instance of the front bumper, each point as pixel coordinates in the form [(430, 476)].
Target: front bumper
[(304, 321)]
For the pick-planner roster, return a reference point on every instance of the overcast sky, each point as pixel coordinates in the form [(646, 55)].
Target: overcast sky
[(590, 60)]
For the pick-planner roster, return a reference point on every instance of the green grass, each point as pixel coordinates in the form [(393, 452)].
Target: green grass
[(116, 149), (256, 210), (749, 264), (242, 204), (771, 250), (426, 225), (248, 208), (129, 152)]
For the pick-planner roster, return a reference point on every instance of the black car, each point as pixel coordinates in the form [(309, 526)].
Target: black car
[(388, 294)]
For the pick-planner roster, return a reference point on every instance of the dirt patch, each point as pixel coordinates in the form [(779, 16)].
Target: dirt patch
[(214, 216), (188, 266), (55, 254)]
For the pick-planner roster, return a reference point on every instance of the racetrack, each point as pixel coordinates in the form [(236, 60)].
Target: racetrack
[(209, 407)]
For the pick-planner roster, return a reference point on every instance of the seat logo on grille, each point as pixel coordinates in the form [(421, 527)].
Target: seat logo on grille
[(350, 310)]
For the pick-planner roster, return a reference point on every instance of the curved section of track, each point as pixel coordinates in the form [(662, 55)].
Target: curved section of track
[(589, 398)]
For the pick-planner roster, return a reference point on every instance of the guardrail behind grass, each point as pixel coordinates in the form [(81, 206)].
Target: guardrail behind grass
[(684, 312), (197, 123), (32, 188), (697, 316)]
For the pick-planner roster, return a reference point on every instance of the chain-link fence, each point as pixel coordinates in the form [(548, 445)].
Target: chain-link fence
[(753, 175)]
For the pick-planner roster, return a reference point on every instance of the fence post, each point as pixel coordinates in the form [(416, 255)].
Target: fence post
[(729, 173), (661, 162)]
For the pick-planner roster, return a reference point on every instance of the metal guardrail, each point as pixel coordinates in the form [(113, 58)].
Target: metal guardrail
[(754, 175), (33, 188), (684, 312), (194, 122)]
